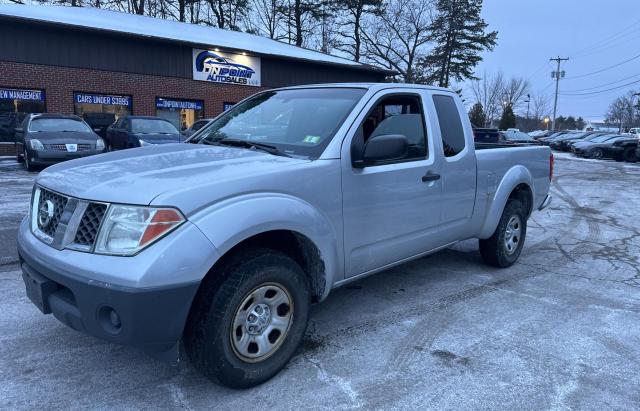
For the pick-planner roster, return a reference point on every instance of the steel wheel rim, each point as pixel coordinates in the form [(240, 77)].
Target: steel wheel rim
[(261, 322), (512, 236)]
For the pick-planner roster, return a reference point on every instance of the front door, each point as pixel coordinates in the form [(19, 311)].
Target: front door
[(391, 210)]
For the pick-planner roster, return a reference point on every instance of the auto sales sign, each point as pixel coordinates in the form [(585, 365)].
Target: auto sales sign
[(228, 68)]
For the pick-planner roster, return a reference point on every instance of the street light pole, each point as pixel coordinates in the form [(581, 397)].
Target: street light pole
[(557, 75), (527, 101)]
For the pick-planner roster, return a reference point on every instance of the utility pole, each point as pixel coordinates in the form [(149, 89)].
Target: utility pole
[(557, 75)]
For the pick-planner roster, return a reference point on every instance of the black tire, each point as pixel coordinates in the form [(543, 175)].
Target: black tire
[(494, 250), (597, 153), (28, 165), (208, 332), (630, 155), (19, 157)]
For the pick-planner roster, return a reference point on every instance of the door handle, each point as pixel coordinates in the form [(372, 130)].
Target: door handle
[(430, 176)]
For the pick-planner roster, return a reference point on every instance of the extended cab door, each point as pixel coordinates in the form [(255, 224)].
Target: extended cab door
[(391, 209), (458, 168)]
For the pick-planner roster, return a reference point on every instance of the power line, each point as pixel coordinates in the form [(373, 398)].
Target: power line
[(601, 91), (605, 69), (601, 85), (605, 40)]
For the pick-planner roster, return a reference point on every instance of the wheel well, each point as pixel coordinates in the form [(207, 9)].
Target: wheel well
[(523, 193), (295, 245)]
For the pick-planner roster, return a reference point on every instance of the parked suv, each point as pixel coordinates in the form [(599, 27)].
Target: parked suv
[(225, 243)]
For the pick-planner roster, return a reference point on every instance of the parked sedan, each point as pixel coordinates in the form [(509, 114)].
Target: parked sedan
[(564, 143), (625, 149), (45, 139), (600, 147), (138, 131)]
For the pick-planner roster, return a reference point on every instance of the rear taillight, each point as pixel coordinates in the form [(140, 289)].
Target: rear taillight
[(550, 166)]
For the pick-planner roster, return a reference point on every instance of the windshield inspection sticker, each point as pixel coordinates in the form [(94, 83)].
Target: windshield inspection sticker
[(311, 139)]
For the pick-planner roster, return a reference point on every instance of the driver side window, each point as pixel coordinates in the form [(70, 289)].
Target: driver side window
[(396, 114)]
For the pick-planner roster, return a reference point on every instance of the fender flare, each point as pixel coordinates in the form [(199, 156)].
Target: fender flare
[(515, 176), (229, 222)]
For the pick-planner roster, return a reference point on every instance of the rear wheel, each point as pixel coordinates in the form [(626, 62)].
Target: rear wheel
[(503, 248), (630, 155), (248, 319)]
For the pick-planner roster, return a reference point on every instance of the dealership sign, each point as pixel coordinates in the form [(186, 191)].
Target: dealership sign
[(107, 99), (19, 94), (168, 104), (228, 68)]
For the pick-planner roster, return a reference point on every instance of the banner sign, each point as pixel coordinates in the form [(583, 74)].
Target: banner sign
[(19, 94), (110, 100), (227, 68), (168, 104)]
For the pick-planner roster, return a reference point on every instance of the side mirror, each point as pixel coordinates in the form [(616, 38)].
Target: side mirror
[(385, 147)]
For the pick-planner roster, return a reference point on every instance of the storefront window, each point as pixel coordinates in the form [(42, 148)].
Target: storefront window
[(182, 113), (118, 106), (14, 105)]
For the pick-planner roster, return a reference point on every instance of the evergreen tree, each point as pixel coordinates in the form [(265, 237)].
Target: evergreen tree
[(460, 35), (477, 116), (508, 119)]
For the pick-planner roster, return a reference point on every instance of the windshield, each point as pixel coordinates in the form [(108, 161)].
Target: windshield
[(152, 126), (603, 138), (297, 122), (58, 124)]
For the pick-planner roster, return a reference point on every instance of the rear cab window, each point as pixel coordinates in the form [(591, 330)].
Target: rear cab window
[(451, 130)]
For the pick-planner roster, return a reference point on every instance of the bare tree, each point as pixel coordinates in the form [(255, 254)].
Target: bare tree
[(398, 37), (488, 92), (541, 106), (353, 12), (514, 91), (265, 18), (621, 111)]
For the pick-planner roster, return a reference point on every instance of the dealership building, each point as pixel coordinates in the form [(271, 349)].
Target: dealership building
[(60, 59)]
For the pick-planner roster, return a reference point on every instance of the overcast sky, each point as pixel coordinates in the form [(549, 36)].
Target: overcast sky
[(594, 34)]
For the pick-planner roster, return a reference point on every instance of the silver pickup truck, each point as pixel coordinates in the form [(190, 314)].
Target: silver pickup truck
[(224, 244)]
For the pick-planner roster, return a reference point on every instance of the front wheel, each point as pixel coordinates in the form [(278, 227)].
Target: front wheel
[(248, 318), (27, 163), (630, 155), (503, 248), (597, 153)]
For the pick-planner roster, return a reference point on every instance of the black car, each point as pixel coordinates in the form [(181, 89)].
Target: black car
[(8, 124), (44, 139), (564, 143), (600, 147), (138, 131), (99, 122), (625, 149)]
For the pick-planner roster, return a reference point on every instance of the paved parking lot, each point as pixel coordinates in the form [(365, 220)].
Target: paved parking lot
[(560, 329)]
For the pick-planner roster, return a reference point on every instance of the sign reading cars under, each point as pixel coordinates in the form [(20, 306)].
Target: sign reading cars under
[(227, 68)]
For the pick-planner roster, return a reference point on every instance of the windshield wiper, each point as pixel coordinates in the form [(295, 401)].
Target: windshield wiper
[(250, 144)]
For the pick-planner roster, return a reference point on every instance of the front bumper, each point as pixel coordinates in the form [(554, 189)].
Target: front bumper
[(47, 157), (148, 317)]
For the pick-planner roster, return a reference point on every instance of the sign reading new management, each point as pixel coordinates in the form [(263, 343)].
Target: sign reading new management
[(227, 68)]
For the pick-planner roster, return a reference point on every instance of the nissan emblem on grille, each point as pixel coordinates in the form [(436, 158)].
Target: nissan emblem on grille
[(45, 214)]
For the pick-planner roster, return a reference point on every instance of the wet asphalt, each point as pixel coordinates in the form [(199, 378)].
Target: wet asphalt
[(558, 330)]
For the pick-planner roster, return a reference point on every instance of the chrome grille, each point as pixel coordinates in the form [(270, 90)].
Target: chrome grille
[(50, 208), (90, 223), (63, 147)]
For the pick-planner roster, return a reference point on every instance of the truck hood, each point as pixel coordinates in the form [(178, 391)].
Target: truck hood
[(138, 175)]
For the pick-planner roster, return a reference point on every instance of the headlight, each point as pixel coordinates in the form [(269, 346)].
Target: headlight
[(128, 229), (99, 144), (36, 145)]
